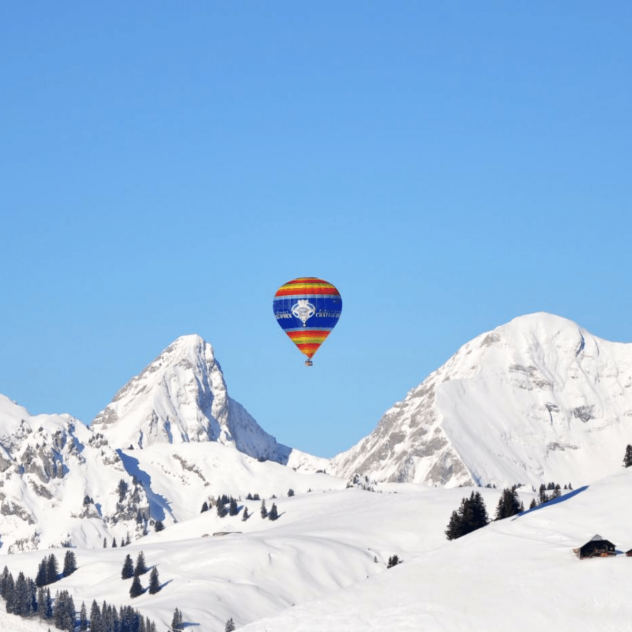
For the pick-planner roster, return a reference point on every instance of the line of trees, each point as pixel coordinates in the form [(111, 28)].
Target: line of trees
[(470, 516), (23, 598)]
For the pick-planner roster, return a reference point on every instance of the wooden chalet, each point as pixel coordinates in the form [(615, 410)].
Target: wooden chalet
[(595, 547), (629, 553)]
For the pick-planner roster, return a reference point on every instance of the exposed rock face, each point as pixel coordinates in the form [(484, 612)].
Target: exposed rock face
[(539, 399), (51, 468), (181, 397)]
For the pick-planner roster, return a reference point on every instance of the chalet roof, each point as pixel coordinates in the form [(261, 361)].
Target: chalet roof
[(597, 538)]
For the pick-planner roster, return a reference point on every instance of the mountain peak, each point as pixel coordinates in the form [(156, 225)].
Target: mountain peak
[(181, 397), (534, 400)]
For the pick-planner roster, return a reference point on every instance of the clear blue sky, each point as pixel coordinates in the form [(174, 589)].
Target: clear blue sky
[(165, 166)]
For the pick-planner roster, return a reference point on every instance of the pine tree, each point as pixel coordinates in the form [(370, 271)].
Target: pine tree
[(83, 618), (47, 609), (273, 514), (245, 515), (264, 511), (21, 602), (290, 492), (41, 577), (627, 459), (70, 563), (509, 504), (204, 507), (533, 504), (141, 567), (542, 497), (159, 526), (8, 593), (230, 626), (128, 568), (455, 528), (154, 581), (393, 561), (177, 621), (137, 588), (233, 509), (105, 543), (95, 617), (52, 570), (114, 545)]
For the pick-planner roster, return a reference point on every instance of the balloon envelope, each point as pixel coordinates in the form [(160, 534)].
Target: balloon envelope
[(307, 309)]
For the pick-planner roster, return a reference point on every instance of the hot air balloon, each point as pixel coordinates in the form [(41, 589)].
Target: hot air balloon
[(307, 309)]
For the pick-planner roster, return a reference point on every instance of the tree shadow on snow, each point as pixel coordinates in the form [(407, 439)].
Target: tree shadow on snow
[(553, 501), (157, 504), (188, 624)]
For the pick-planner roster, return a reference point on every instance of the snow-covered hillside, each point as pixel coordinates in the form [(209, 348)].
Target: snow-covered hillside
[(322, 542), (535, 400), (60, 482), (181, 397), (518, 574)]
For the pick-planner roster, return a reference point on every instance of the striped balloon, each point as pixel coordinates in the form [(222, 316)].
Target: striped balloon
[(307, 309)]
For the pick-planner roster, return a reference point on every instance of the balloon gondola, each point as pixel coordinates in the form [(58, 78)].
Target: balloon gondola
[(307, 309)]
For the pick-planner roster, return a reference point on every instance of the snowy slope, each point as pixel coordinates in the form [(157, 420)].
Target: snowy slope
[(181, 397), (322, 542), (535, 400), (518, 574), (59, 482)]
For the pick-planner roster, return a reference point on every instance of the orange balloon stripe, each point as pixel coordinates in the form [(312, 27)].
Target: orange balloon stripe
[(307, 289), (308, 349), (309, 337)]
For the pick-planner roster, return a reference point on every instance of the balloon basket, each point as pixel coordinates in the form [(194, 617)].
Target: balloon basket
[(309, 363)]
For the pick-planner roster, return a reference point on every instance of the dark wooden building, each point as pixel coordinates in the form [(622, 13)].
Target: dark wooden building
[(629, 553), (595, 547)]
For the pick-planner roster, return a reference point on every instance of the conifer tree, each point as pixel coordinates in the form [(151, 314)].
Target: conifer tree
[(21, 601), (233, 509), (42, 576), (70, 563), (52, 570), (105, 543), (46, 609), (204, 507), (177, 621), (542, 498), (264, 511), (114, 545), (141, 567), (128, 568), (509, 504), (245, 515), (533, 504), (393, 561), (627, 458), (8, 593), (273, 514), (83, 618), (455, 528), (290, 493), (95, 617), (159, 526), (136, 588), (154, 581), (230, 626)]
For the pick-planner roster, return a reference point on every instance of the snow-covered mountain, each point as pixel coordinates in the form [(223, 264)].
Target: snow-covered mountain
[(61, 482), (538, 399), (181, 397)]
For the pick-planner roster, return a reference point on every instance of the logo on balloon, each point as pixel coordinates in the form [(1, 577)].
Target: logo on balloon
[(303, 310)]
